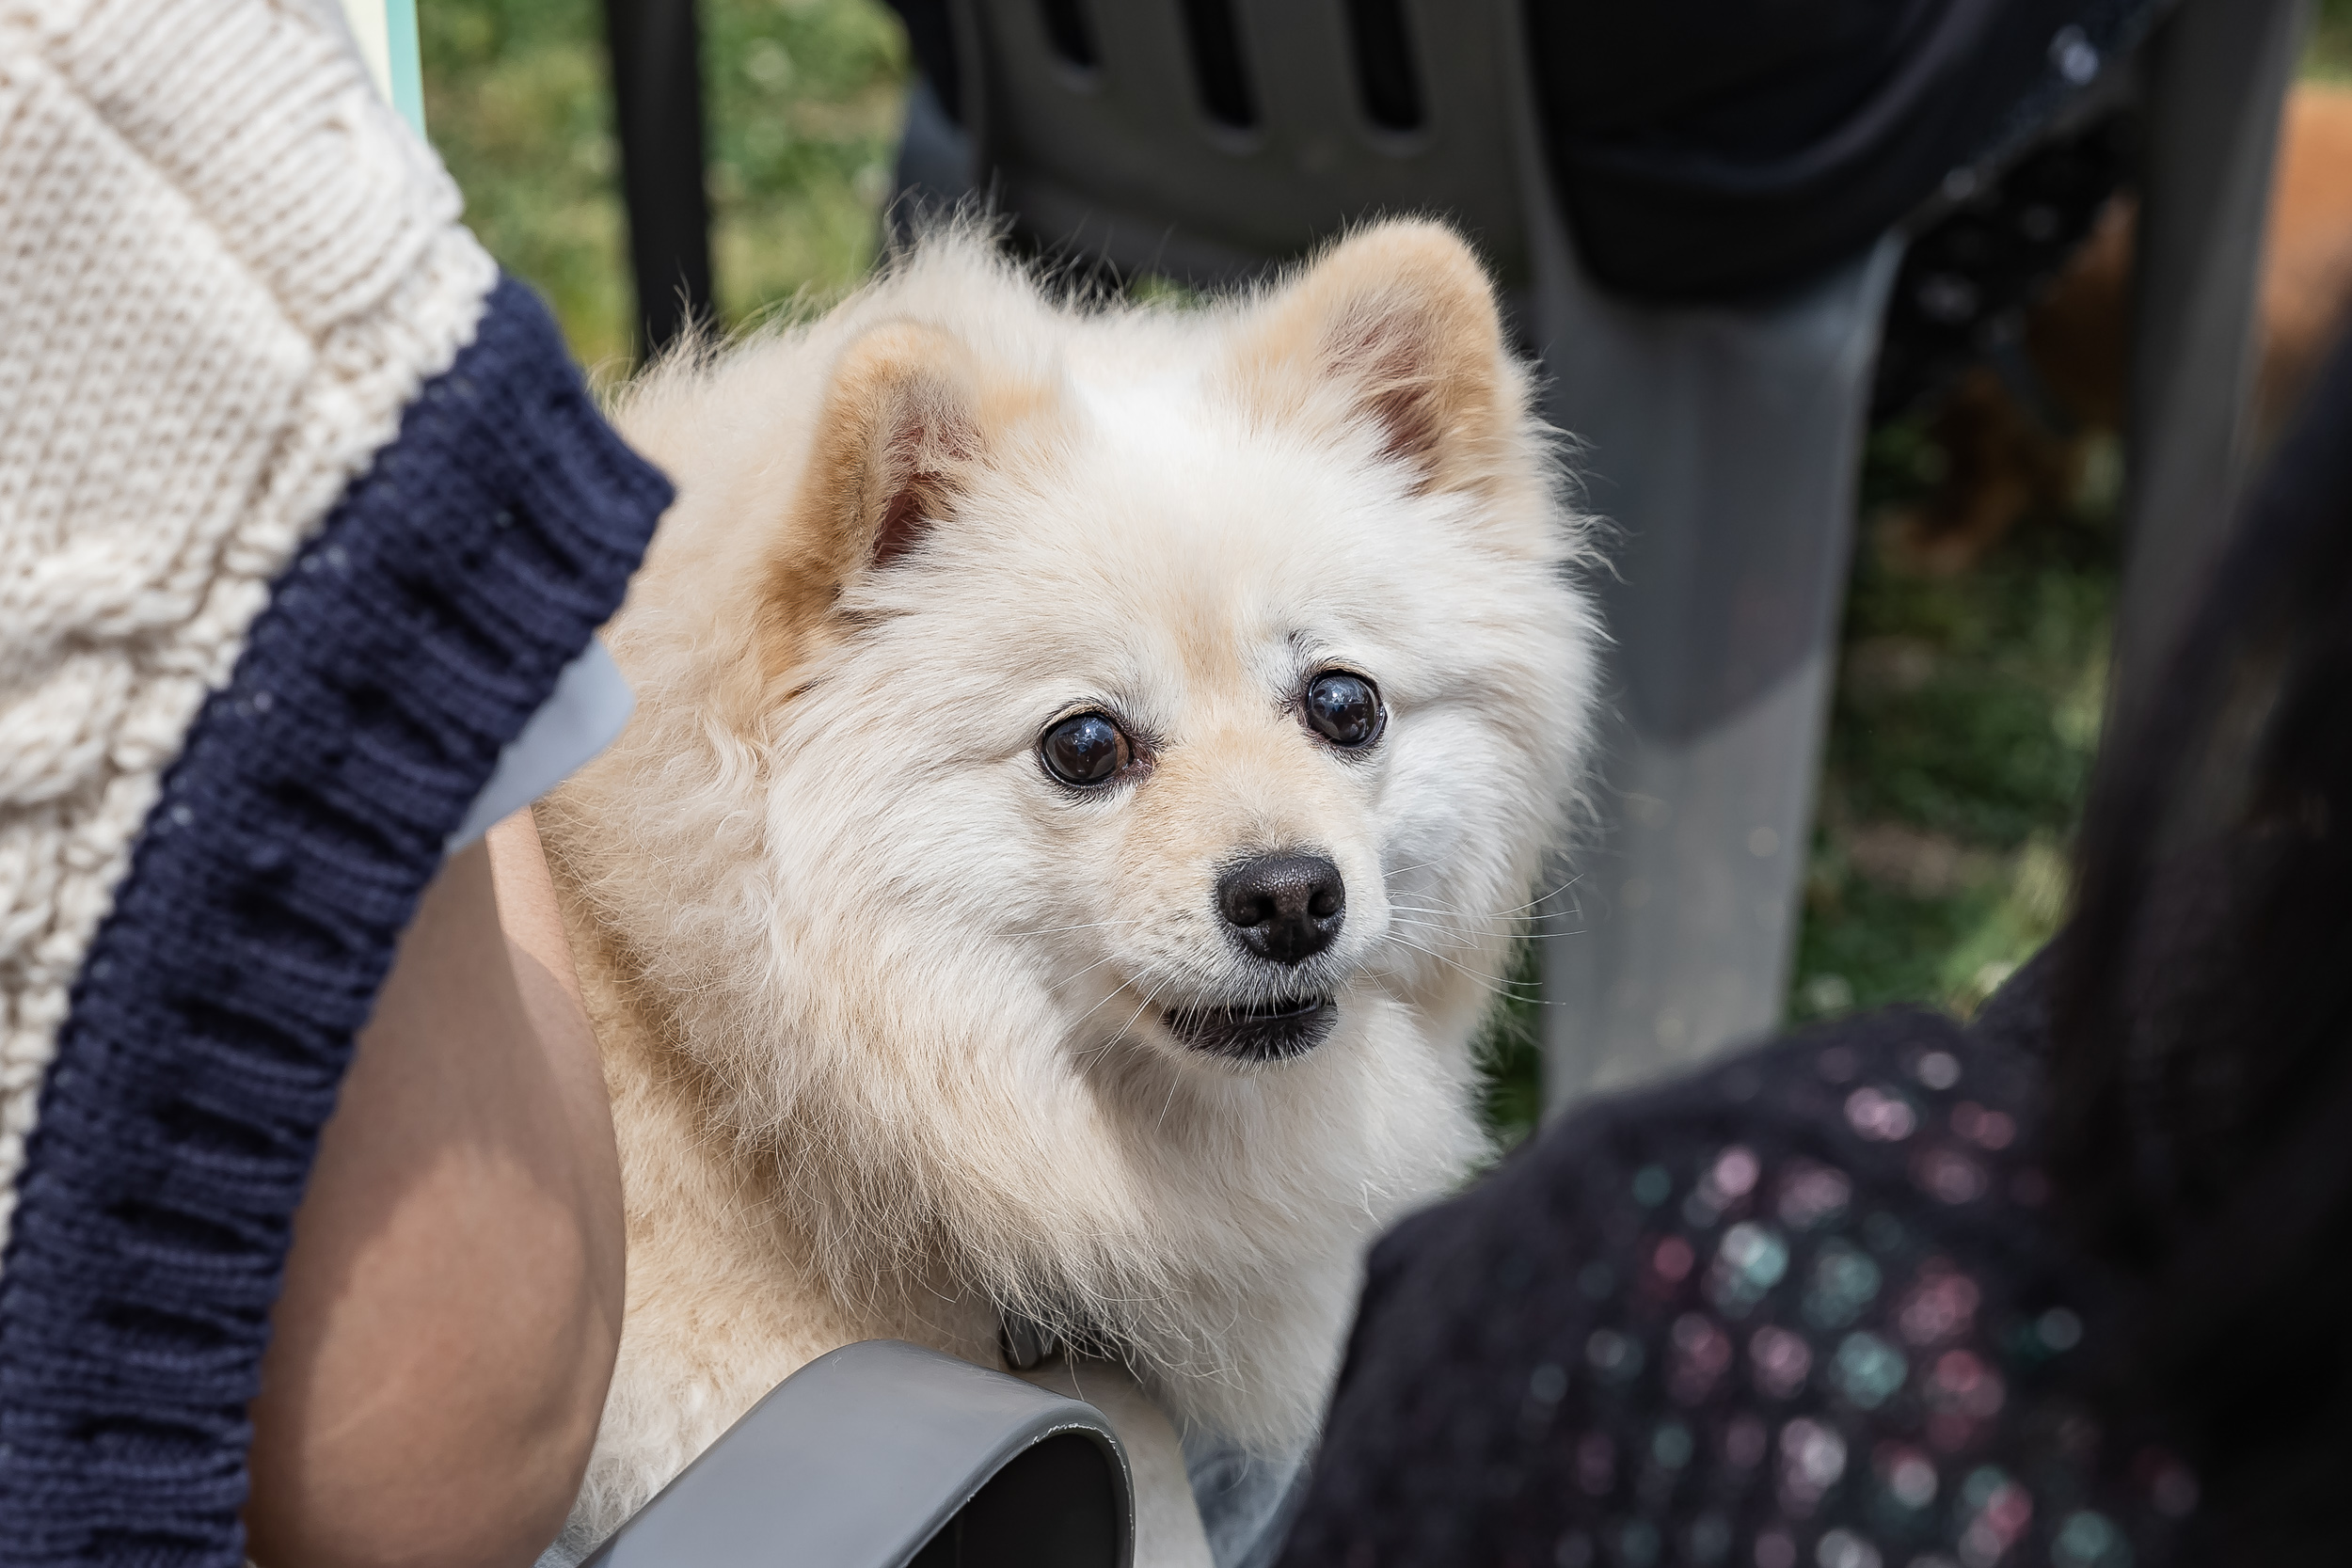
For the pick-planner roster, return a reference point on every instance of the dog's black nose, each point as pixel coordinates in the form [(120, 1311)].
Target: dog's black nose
[(1286, 908)]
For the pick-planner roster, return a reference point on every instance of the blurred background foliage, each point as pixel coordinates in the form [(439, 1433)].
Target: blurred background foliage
[(2329, 55), (1967, 706), (1966, 710), (802, 104), (1967, 713)]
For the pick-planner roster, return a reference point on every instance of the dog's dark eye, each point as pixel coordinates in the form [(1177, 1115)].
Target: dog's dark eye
[(1343, 709), (1083, 749)]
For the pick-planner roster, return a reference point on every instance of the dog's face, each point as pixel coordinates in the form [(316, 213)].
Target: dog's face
[(1089, 772), (1221, 684), (1221, 749)]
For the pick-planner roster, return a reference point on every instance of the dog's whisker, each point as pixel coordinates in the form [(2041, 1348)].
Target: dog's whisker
[(1502, 926), (1460, 913), (1156, 992), (1120, 1033), (1412, 918), (1454, 919), (1168, 1104), (1499, 987), (1525, 931), (1515, 911), (1081, 925), (1139, 1010), (1545, 897), (1089, 969), (1087, 1058), (1445, 930), (1090, 1056)]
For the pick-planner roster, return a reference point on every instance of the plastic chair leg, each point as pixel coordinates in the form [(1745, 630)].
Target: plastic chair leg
[(1723, 445), (2215, 74)]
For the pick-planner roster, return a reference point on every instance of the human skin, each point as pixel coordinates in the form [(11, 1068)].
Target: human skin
[(453, 1299)]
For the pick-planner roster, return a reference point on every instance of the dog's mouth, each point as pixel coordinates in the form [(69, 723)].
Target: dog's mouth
[(1272, 1031)]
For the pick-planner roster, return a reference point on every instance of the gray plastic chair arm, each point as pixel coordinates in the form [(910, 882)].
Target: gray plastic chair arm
[(887, 1455)]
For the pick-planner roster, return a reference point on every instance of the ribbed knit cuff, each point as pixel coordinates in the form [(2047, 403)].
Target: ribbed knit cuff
[(411, 639)]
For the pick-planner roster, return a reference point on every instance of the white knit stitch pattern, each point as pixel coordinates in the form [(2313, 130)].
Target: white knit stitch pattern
[(224, 268)]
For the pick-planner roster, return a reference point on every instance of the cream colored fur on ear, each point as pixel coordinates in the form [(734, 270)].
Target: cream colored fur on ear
[(1395, 331), (882, 1001)]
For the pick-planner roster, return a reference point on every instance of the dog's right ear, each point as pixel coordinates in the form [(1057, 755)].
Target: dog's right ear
[(894, 446), (897, 442)]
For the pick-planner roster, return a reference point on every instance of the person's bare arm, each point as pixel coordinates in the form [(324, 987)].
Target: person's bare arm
[(452, 1300)]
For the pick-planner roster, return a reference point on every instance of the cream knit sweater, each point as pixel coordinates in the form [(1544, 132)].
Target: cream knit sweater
[(225, 267)]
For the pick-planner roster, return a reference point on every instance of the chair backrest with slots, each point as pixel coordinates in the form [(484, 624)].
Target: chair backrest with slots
[(1201, 138)]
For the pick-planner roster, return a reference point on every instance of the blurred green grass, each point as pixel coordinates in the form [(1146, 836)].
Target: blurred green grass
[(1966, 716), (1966, 709), (802, 104), (2329, 54)]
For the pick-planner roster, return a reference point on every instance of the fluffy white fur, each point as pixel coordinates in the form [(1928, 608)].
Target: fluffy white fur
[(882, 1001)]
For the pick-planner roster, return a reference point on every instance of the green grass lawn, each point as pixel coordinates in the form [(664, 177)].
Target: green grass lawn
[(1967, 706)]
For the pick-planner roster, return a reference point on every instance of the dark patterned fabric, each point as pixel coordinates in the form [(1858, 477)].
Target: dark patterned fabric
[(1808, 1309), (409, 640)]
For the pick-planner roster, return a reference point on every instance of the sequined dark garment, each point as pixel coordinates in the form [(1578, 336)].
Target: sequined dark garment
[(1807, 1308)]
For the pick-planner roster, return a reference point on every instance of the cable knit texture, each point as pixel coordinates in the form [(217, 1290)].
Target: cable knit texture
[(302, 513), (227, 267)]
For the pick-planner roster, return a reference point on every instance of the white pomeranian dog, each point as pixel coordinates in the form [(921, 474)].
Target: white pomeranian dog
[(1088, 762)]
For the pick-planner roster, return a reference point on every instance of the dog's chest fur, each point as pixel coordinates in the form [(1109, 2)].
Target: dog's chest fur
[(726, 1297)]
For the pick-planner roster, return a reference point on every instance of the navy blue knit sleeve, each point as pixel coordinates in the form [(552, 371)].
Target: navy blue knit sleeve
[(409, 640)]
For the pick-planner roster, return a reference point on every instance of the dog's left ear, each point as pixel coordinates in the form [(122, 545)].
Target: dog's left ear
[(1394, 327)]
